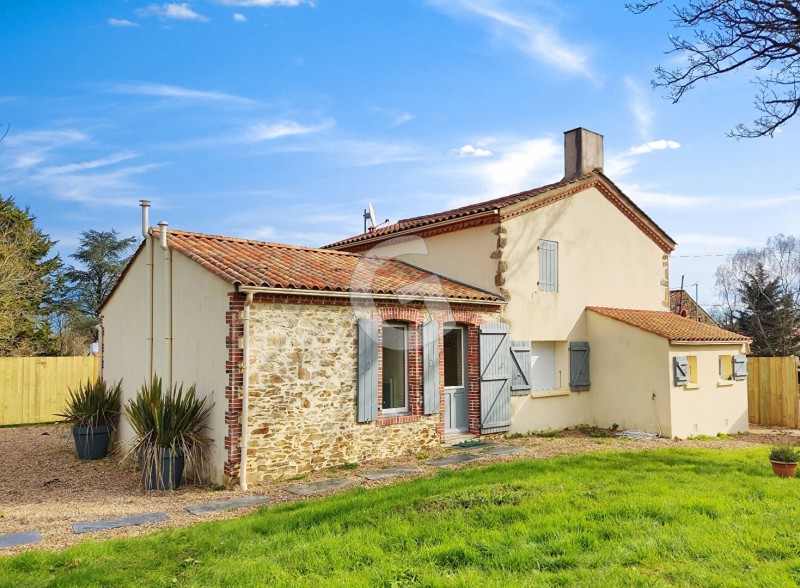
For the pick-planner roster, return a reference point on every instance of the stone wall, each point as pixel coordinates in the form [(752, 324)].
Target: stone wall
[(302, 388)]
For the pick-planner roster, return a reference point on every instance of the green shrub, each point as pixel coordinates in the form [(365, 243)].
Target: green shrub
[(93, 403), (784, 452)]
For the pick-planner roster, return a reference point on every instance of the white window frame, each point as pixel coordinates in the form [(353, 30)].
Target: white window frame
[(463, 359), (405, 408)]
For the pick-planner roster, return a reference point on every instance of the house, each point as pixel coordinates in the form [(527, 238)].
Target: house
[(681, 302), (557, 254), (289, 343)]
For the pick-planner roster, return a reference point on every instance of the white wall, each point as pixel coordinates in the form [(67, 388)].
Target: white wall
[(199, 303)]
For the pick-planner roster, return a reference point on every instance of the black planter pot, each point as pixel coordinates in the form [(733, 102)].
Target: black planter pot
[(92, 442), (170, 466)]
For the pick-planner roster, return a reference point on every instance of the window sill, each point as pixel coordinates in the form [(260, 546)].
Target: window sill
[(725, 383), (549, 393), (397, 419), (691, 386)]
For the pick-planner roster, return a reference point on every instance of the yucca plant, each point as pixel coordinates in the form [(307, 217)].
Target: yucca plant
[(93, 403), (784, 453), (169, 424), (93, 410)]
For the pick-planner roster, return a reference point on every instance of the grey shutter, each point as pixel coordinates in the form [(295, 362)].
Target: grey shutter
[(579, 366), (495, 378), (430, 366), (367, 370), (548, 266), (680, 370), (520, 367), (739, 367)]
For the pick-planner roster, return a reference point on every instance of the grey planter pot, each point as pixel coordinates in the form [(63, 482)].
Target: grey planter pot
[(169, 466), (92, 442)]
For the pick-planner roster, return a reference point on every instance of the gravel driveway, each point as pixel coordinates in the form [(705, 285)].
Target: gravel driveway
[(44, 487)]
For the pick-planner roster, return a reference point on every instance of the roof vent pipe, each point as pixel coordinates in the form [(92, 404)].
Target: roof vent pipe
[(583, 153), (145, 204), (162, 225)]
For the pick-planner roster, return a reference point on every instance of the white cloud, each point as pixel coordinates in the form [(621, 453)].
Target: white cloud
[(529, 33), (121, 22), (172, 11), (401, 118), (167, 91), (86, 165), (645, 197), (31, 148), (469, 150), (239, 17), (639, 107), (651, 146), (265, 3), (367, 152), (281, 129)]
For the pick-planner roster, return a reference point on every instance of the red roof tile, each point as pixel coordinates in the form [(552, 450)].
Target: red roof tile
[(273, 265), (420, 222), (669, 325)]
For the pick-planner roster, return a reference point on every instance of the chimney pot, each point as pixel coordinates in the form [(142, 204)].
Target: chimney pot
[(583, 152)]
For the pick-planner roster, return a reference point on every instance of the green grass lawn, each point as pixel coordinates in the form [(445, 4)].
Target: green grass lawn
[(673, 517)]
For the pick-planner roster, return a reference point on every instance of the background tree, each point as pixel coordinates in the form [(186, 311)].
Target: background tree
[(102, 256), (770, 316), (759, 289), (27, 280), (729, 35)]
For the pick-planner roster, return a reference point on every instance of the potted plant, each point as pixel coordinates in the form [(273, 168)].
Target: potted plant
[(93, 410), (784, 458), (169, 429)]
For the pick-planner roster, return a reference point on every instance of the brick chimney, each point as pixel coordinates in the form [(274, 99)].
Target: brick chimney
[(583, 152)]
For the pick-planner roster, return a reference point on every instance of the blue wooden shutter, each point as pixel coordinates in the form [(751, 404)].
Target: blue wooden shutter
[(548, 266), (520, 367), (495, 378), (579, 365), (680, 370), (367, 370), (739, 367), (430, 366)]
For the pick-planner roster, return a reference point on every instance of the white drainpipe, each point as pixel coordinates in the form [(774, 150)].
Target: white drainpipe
[(100, 335), (162, 225), (245, 389), (148, 255)]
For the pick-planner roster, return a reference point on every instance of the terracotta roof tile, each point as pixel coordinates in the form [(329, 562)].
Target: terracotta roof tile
[(273, 265), (669, 325), (420, 222)]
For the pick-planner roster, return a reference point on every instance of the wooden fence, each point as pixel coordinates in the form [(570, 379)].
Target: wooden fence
[(773, 391), (33, 389)]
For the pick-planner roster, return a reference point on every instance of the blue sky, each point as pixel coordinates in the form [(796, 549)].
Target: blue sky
[(280, 119)]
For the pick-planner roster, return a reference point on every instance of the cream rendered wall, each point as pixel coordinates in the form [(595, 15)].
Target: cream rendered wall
[(603, 260), (627, 367), (461, 255), (199, 304), (712, 406)]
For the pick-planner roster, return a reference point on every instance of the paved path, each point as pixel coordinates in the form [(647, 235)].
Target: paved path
[(153, 517), (202, 509), (15, 539), (391, 473), (317, 487)]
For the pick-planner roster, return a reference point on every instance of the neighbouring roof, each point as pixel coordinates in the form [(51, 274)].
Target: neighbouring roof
[(494, 211), (670, 325), (259, 264), (680, 302)]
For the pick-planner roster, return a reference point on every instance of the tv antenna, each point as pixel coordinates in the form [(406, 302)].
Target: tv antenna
[(370, 224)]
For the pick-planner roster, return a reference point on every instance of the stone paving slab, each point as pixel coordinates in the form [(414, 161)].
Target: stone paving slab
[(153, 517), (472, 445), (391, 472), (504, 450), (208, 508), (317, 487), (454, 459), (15, 539)]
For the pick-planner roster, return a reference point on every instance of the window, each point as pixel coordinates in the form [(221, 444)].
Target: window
[(725, 367), (579, 366), (692, 375), (548, 266), (454, 358), (543, 365), (395, 368)]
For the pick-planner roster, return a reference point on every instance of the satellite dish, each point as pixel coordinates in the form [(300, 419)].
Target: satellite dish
[(372, 222)]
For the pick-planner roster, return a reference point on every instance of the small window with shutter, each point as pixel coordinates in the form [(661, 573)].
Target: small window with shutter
[(579, 366), (739, 363), (548, 266)]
